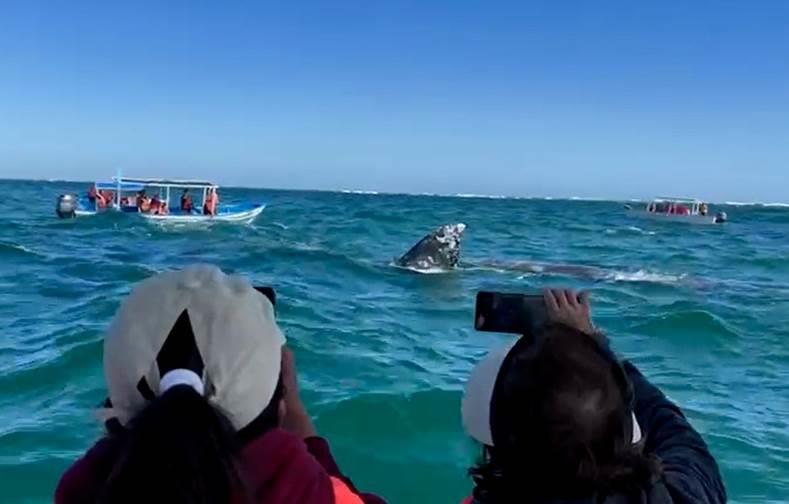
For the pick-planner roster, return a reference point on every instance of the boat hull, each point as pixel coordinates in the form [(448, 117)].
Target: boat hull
[(238, 214), (687, 219)]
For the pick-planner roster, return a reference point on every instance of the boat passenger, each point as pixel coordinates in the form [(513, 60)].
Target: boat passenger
[(562, 420), (105, 198), (92, 194), (186, 202), (156, 202), (100, 200), (143, 202), (211, 202), (163, 208), (204, 404), (704, 209)]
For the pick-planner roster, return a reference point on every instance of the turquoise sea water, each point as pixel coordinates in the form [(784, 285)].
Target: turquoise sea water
[(382, 353)]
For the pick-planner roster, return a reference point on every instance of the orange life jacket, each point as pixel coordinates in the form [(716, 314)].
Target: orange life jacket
[(210, 203), (343, 494)]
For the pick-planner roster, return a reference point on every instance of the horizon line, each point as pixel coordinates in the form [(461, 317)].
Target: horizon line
[(373, 192)]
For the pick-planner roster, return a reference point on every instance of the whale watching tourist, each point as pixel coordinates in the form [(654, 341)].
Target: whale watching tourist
[(203, 404), (211, 202), (563, 420), (186, 202)]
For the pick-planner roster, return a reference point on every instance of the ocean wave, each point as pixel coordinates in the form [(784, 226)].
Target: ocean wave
[(645, 276), (637, 229), (16, 249), (698, 321), (359, 191), (630, 229), (756, 204), (421, 271), (593, 273), (481, 196)]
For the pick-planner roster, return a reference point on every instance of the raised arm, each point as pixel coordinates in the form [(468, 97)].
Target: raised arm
[(691, 473)]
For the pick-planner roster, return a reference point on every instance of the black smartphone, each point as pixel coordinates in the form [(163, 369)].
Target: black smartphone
[(510, 313), (269, 293)]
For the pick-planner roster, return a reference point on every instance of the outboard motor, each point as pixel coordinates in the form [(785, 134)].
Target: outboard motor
[(66, 207), (721, 218)]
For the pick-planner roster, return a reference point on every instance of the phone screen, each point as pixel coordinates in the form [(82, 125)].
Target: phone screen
[(509, 313), (269, 293)]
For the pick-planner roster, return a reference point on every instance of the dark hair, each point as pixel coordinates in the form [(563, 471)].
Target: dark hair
[(561, 423), (181, 449)]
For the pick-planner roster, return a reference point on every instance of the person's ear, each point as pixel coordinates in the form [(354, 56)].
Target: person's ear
[(282, 410)]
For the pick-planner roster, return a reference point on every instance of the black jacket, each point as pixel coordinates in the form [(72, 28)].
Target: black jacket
[(691, 475)]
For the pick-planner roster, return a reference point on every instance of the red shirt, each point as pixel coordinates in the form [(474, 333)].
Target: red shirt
[(281, 468)]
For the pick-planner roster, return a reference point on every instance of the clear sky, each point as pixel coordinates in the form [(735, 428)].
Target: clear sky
[(605, 99)]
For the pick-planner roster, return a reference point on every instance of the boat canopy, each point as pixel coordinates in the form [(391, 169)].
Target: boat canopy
[(156, 182), (123, 186), (668, 199)]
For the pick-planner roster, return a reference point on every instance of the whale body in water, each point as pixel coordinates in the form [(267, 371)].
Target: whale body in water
[(437, 251)]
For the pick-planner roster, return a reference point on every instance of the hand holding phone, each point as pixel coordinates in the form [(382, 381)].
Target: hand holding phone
[(510, 313), (571, 309), (525, 314)]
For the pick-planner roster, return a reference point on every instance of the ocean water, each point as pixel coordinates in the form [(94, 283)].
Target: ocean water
[(383, 353)]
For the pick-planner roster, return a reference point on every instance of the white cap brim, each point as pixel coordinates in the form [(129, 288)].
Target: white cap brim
[(475, 406)]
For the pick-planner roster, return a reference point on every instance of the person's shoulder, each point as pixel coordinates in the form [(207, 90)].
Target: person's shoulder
[(85, 476), (278, 464)]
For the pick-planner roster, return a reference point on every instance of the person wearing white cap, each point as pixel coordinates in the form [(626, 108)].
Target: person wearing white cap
[(562, 420), (203, 404)]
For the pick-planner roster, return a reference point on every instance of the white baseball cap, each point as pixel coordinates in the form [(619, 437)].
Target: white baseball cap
[(476, 403), (197, 327)]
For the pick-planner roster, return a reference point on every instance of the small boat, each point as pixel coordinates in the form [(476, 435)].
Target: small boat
[(242, 213), (121, 195), (692, 211), (102, 197)]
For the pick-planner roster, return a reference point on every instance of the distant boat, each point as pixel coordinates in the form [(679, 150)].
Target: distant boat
[(121, 195), (688, 210)]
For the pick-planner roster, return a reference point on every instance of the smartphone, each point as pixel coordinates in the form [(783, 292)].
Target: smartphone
[(510, 313), (269, 293)]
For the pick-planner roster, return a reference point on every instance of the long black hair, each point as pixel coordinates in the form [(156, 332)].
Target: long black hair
[(561, 417), (180, 449)]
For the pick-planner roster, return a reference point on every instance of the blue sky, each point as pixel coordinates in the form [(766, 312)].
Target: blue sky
[(607, 99)]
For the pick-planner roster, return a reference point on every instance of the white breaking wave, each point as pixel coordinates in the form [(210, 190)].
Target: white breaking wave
[(642, 231), (634, 229), (757, 204), (359, 191), (483, 196), (645, 276), (422, 271), (586, 198), (593, 273)]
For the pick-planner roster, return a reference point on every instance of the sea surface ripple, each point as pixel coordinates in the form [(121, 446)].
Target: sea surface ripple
[(703, 310)]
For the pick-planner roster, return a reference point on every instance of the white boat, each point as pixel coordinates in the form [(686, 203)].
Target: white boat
[(121, 195), (239, 213), (688, 210)]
